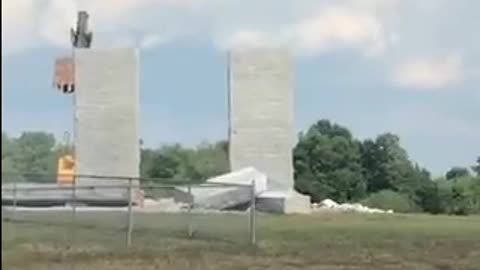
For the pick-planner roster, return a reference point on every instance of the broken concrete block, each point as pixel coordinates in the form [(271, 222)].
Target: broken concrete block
[(222, 196), (289, 202)]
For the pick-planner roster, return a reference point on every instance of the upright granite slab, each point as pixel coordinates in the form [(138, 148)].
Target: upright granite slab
[(261, 132), (107, 115)]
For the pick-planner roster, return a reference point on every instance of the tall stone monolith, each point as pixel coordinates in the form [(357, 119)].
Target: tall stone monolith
[(262, 128), (107, 115)]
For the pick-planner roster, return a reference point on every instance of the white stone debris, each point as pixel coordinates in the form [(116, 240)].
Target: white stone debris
[(330, 205), (162, 205)]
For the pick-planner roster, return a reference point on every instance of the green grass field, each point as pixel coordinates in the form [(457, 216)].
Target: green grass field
[(321, 241)]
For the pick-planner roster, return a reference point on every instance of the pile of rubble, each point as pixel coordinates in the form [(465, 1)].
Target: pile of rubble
[(330, 205), (169, 205)]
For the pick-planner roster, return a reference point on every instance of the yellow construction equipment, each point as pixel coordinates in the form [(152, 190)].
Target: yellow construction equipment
[(66, 170), (66, 164)]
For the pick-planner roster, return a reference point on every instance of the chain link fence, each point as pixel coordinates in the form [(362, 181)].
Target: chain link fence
[(120, 211)]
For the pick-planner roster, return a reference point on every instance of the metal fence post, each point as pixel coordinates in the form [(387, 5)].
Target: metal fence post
[(74, 198), (130, 214), (253, 234), (73, 202), (14, 200), (189, 212)]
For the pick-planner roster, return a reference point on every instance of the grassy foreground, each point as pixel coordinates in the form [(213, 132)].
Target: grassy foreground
[(321, 241)]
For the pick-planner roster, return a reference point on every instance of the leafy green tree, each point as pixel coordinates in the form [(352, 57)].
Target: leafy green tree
[(476, 168), (8, 150), (170, 162), (327, 164), (385, 163), (174, 162), (387, 166), (147, 157), (166, 167), (475, 195), (460, 196), (457, 172), (210, 160), (8, 147), (30, 153), (35, 153), (460, 199), (428, 197)]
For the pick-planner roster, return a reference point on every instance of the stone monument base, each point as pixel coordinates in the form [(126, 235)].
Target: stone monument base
[(284, 202)]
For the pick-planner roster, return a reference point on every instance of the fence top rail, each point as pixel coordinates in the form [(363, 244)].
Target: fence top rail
[(164, 181), (39, 187)]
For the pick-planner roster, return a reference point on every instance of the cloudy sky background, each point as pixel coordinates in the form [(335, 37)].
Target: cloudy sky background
[(405, 66)]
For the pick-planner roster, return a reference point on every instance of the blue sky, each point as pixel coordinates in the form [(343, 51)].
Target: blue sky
[(403, 66)]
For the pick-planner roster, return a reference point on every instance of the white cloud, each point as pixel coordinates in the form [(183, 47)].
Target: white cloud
[(56, 21), (337, 27), (35, 23), (430, 73), (247, 39), (313, 26), (370, 27), (344, 24), (17, 23)]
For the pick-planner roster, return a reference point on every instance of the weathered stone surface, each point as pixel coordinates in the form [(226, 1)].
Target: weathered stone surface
[(107, 114), (289, 202), (261, 133), (261, 102)]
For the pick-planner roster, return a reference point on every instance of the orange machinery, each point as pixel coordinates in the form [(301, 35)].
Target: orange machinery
[(66, 170), (66, 164)]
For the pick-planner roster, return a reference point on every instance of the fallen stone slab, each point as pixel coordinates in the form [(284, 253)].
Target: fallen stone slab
[(228, 190), (284, 202)]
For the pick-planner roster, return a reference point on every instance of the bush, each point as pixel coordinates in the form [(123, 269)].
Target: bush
[(429, 198), (388, 199), (460, 196), (475, 193)]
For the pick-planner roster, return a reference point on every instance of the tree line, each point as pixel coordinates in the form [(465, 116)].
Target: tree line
[(329, 162)]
